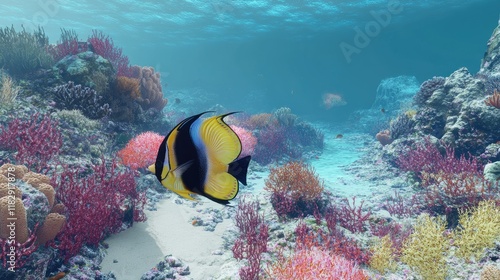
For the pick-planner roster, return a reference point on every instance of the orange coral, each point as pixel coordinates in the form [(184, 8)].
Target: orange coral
[(494, 100), (150, 87), (128, 87), (296, 179), (384, 137)]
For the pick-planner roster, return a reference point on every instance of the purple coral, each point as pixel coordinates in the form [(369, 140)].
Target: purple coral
[(252, 241), (75, 97)]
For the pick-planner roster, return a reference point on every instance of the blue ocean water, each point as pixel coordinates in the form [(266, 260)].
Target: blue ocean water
[(289, 51), (343, 86)]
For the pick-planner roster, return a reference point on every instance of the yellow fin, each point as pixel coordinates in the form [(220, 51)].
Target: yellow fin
[(221, 143), (179, 188), (221, 186)]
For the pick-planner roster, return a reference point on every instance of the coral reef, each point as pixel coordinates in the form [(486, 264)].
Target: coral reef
[(424, 251), (75, 97), (92, 214), (104, 46), (87, 69), (295, 189), (8, 89), (315, 263), (461, 118), (141, 151), (479, 228), (36, 140), (248, 141), (150, 87), (282, 135), (34, 225), (24, 52)]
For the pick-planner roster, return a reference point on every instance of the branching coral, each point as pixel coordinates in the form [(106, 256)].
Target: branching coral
[(97, 204), (104, 46), (295, 189), (8, 90), (425, 249), (479, 228), (70, 96), (315, 263), (36, 140), (383, 255), (252, 241), (494, 100), (23, 52), (296, 179)]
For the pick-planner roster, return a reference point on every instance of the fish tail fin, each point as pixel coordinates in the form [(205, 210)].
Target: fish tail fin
[(238, 169)]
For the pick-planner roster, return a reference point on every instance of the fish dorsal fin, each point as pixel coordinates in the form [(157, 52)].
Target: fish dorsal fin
[(221, 144)]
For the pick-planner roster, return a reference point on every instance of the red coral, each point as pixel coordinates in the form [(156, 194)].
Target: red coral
[(400, 207), (21, 252), (36, 140), (351, 217), (333, 240), (103, 45), (96, 204)]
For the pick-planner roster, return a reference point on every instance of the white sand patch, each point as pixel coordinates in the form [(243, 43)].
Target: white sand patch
[(339, 153), (167, 231)]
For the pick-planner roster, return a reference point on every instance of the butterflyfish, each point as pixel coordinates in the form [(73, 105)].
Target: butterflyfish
[(199, 156)]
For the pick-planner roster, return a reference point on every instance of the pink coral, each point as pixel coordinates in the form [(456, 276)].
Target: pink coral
[(315, 263), (141, 151), (248, 141)]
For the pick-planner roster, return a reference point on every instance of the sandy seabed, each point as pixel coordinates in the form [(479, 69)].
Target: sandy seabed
[(167, 231)]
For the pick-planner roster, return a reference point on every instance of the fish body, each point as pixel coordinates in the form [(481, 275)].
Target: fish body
[(199, 157)]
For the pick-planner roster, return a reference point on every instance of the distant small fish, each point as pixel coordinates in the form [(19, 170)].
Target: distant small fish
[(177, 101), (339, 136), (382, 110), (199, 157)]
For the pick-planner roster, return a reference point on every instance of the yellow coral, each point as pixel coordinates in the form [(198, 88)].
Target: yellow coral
[(425, 249), (490, 272), (478, 230), (383, 255)]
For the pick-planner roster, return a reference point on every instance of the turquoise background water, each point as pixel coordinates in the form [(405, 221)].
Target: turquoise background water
[(289, 52)]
